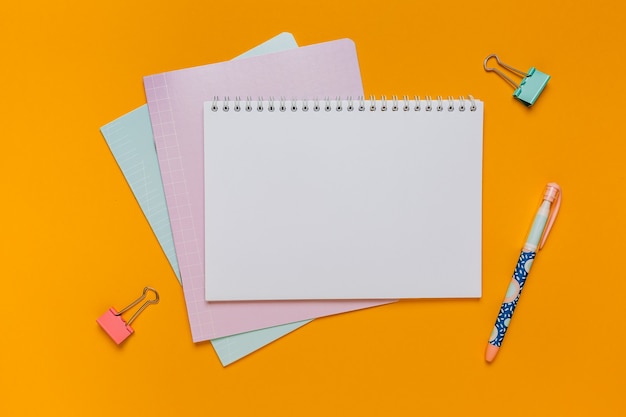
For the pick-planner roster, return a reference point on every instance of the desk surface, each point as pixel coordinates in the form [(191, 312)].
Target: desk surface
[(75, 242)]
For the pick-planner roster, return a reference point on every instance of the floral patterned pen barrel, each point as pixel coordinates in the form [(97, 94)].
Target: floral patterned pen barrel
[(536, 238)]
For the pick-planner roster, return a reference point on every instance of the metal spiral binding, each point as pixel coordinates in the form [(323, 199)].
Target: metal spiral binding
[(359, 104), (339, 106), (429, 103), (439, 103), (418, 106), (327, 107)]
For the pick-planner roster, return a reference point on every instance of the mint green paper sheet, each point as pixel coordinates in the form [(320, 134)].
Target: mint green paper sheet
[(131, 142)]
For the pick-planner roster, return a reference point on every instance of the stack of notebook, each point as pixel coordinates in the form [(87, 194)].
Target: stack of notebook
[(279, 193)]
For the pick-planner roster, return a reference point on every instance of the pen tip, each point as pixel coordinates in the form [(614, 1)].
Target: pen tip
[(491, 352)]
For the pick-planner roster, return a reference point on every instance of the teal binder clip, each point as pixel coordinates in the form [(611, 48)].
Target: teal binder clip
[(529, 88)]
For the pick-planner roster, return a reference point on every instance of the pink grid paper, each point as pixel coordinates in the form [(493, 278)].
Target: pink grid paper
[(175, 101)]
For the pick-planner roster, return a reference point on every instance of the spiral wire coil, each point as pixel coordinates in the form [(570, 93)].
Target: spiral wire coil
[(338, 104)]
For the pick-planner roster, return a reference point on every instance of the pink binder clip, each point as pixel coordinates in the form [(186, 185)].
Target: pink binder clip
[(113, 323)]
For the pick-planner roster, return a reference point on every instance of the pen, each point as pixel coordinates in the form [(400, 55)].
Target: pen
[(536, 239)]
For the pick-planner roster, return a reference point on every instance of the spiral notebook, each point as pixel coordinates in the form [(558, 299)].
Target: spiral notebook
[(343, 199)]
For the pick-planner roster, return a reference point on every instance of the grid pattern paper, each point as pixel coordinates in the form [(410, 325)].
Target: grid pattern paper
[(132, 144), (175, 101), (230, 348)]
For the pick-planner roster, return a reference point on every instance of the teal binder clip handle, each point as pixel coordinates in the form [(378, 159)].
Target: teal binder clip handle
[(532, 84)]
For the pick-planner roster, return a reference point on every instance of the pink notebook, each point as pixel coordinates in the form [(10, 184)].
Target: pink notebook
[(175, 101)]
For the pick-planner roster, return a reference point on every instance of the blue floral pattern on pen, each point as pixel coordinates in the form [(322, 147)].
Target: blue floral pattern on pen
[(512, 295)]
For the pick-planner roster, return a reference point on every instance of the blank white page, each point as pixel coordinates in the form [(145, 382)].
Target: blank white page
[(339, 204)]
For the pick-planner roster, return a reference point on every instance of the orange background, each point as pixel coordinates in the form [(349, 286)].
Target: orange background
[(74, 240)]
